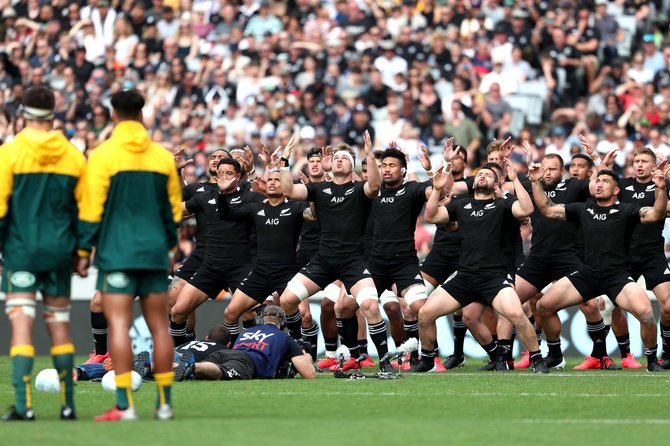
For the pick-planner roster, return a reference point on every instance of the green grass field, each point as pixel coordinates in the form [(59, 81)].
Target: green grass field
[(459, 407)]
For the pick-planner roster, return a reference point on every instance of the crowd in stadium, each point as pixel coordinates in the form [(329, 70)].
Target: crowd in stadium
[(531, 107)]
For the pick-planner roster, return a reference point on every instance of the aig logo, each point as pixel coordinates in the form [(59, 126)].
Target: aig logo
[(337, 200), (272, 221), (551, 194), (479, 213), (388, 200), (638, 195)]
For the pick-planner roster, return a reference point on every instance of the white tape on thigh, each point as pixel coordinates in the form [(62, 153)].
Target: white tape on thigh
[(56, 314), (429, 288), (296, 287), (332, 292), (367, 293), (20, 307), (415, 293), (388, 297), (606, 312)]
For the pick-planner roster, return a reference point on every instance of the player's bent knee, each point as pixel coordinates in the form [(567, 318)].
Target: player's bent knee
[(415, 294), (331, 292), (53, 314), (298, 289), (15, 308), (365, 295)]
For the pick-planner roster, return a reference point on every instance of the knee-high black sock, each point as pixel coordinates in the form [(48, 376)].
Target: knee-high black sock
[(234, 330), (665, 339), (538, 331), (650, 353), (348, 331), (624, 344), (379, 337), (459, 335), (554, 348), (178, 332), (363, 346), (99, 330), (505, 349), (330, 344), (411, 329), (597, 333), (190, 335), (248, 323), (311, 335), (293, 323)]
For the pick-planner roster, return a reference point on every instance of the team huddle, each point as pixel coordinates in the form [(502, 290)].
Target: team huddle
[(272, 243)]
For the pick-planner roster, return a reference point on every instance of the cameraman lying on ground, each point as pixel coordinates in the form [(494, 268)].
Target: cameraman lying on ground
[(258, 353)]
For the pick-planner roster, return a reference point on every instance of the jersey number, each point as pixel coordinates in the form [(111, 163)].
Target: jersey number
[(199, 346)]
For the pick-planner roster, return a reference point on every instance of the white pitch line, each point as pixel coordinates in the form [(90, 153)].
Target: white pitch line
[(464, 394), (592, 421)]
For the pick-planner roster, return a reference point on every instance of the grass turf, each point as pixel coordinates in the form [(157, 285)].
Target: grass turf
[(459, 407)]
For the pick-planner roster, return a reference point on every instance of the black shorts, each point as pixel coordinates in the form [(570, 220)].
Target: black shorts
[(591, 284), (303, 257), (540, 272), (264, 280), (467, 288), (654, 269), (401, 271), (439, 264), (190, 265), (323, 270), (211, 279), (234, 364)]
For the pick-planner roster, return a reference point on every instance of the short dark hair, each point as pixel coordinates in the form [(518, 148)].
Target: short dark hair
[(231, 162), (128, 104), (274, 313), (219, 334), (611, 174), (220, 150), (584, 157), (314, 151), (555, 156), (39, 103), (395, 153), (495, 168)]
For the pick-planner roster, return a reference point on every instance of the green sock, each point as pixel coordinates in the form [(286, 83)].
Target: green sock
[(63, 358), (124, 396), (164, 386), (23, 357)]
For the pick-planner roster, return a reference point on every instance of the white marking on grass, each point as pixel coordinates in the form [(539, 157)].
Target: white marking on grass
[(614, 421)]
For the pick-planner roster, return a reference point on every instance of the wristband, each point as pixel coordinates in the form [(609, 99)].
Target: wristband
[(285, 168), (285, 160)]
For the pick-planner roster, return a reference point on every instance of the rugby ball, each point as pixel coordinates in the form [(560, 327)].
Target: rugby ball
[(47, 381), (109, 381)]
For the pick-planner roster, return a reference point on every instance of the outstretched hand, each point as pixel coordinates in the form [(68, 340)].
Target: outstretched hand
[(535, 171)]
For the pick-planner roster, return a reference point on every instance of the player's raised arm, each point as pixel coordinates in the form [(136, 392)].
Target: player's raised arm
[(524, 206), (292, 191), (434, 212), (657, 213), (543, 203), (373, 184)]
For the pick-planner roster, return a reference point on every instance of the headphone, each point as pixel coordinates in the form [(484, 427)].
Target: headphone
[(275, 311)]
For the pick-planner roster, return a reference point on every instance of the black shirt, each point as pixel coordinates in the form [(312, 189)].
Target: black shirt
[(555, 238), (448, 241), (200, 349), (202, 218), (343, 211), (394, 214), (277, 227), (481, 224), (607, 233), (227, 241), (648, 238)]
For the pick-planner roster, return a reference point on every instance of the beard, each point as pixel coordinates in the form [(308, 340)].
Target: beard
[(483, 189)]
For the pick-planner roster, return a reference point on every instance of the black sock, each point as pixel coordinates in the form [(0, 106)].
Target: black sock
[(597, 332), (555, 348), (535, 356), (248, 323), (379, 337), (178, 332), (330, 344), (234, 330), (665, 339), (650, 353), (495, 337), (491, 349), (428, 355), (459, 335), (349, 333), (624, 344), (513, 335), (99, 330), (190, 335), (363, 346), (505, 349), (293, 323), (311, 335), (411, 330)]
